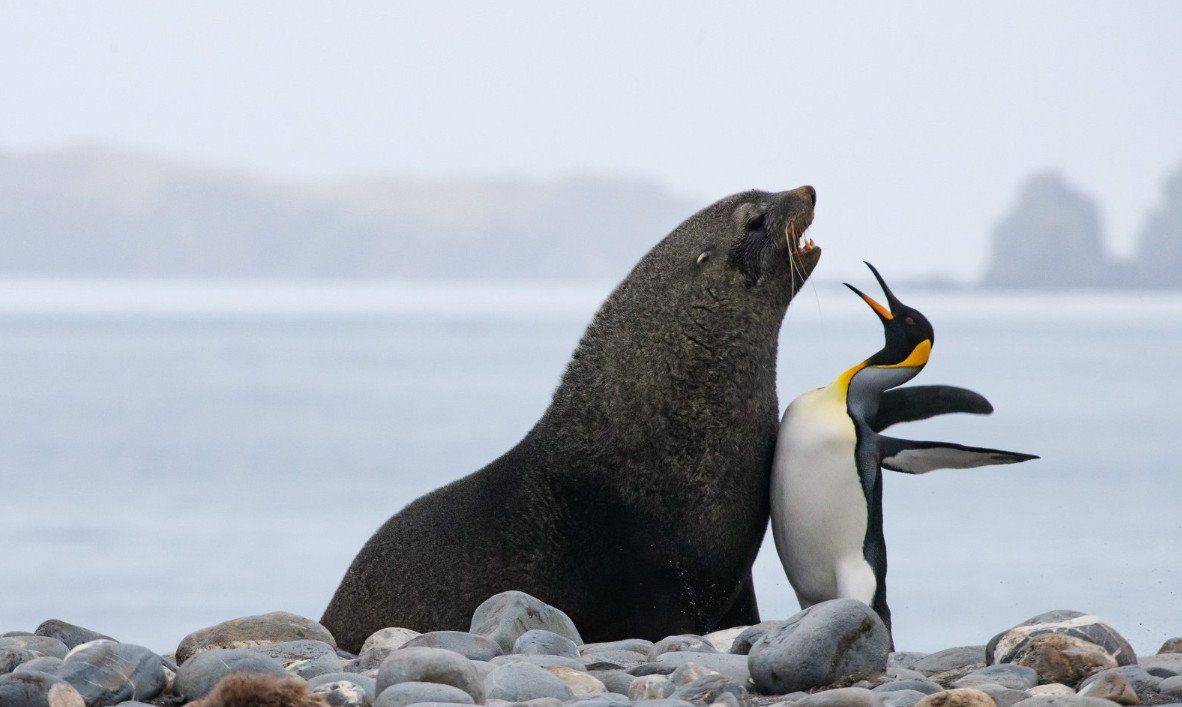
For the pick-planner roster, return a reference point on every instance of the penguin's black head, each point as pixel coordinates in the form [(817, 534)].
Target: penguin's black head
[(909, 334)]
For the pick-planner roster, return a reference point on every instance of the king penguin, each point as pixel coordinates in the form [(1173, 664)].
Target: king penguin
[(826, 489)]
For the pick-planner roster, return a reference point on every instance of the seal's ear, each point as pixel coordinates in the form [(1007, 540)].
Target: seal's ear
[(703, 257)]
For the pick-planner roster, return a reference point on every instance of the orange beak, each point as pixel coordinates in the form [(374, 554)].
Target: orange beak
[(881, 311)]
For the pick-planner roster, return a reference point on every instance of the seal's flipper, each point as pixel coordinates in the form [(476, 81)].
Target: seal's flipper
[(912, 457), (919, 402)]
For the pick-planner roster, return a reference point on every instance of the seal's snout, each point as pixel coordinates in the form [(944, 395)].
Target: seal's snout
[(809, 193), (796, 208)]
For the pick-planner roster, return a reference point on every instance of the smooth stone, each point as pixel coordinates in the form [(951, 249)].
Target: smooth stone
[(896, 673), (540, 702), (410, 693), (724, 639), (731, 665), (1064, 701), (469, 645), (1111, 686), (959, 697), (41, 645), (835, 641), (601, 700), (344, 689), (106, 672), (667, 702), (636, 645), (581, 684), (198, 675), (342, 693), (650, 687), (392, 637), (69, 634), (430, 665), (1142, 682), (751, 635), (1008, 675), (1003, 696), (518, 682), (38, 690), (612, 660), (44, 664), (904, 659), (1172, 645), (11, 658), (506, 616), (542, 661), (902, 698), (483, 668), (304, 658), (251, 631), (841, 697), (1003, 647), (542, 642), (951, 659), (708, 689), (1171, 686), (616, 681), (687, 642), (1061, 657), (925, 686), (1163, 665), (689, 672), (726, 699), (1051, 690)]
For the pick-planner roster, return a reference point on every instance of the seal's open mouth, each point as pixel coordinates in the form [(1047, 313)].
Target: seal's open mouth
[(794, 228)]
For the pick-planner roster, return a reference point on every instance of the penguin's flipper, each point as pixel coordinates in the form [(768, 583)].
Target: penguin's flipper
[(912, 457), (919, 402)]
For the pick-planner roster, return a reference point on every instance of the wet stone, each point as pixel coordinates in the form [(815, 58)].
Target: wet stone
[(541, 642), (518, 682), (105, 672), (38, 690), (410, 693), (200, 673), (41, 645), (506, 616), (252, 631), (469, 645), (303, 658), (436, 665)]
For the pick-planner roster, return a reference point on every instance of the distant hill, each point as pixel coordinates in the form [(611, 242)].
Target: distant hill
[(1052, 238), (95, 211)]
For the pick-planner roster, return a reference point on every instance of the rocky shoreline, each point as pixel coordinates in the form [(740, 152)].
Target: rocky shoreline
[(521, 650)]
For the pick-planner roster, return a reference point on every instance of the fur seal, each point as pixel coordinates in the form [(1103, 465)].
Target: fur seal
[(637, 503)]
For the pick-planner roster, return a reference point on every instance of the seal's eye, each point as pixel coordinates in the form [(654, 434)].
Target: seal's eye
[(756, 223), (703, 257)]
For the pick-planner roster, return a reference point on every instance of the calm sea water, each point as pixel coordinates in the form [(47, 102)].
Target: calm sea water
[(172, 456)]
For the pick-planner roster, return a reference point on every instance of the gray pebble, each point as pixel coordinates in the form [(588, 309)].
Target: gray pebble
[(518, 682), (842, 697), (904, 659), (685, 642), (343, 689), (708, 689), (1003, 696), (304, 658), (198, 675), (927, 687), (902, 698), (604, 699), (616, 681), (69, 634), (667, 702), (732, 665), (1138, 678), (1171, 686), (827, 643), (504, 617), (430, 665), (1163, 665), (1005, 646), (637, 645), (10, 658), (37, 690), (613, 660), (41, 645), (106, 672), (44, 664), (751, 635), (251, 631), (542, 642), (1009, 675), (650, 687), (542, 661), (951, 659), (410, 693), (469, 645), (1064, 701)]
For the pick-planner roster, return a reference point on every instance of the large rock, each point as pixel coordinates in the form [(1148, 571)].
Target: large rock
[(504, 617), (835, 641), (68, 633), (1144, 684), (542, 642), (520, 682), (43, 664), (430, 665), (960, 697), (410, 693), (1059, 657), (470, 645), (251, 631), (1111, 686), (198, 675), (1172, 645), (1007, 645), (41, 645), (38, 690), (304, 658), (106, 672), (751, 635)]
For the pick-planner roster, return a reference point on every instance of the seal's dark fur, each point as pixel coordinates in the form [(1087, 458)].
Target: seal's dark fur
[(639, 500)]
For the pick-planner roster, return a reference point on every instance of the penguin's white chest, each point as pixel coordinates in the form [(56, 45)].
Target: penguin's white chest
[(819, 512)]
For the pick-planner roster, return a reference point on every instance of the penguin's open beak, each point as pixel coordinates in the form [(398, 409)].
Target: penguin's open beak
[(883, 313)]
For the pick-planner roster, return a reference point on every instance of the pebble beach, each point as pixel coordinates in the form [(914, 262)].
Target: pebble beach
[(519, 650)]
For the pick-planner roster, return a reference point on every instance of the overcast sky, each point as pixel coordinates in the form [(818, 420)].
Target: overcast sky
[(914, 121)]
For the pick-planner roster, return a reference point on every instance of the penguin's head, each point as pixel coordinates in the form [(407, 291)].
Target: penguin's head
[(909, 335)]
